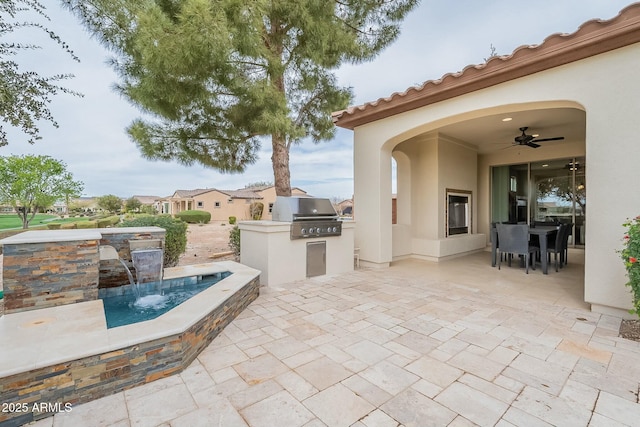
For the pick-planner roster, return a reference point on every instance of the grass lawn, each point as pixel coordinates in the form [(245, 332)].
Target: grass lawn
[(40, 220), (13, 221)]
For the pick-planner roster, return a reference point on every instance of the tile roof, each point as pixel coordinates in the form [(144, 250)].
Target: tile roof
[(148, 200), (592, 38), (191, 193), (242, 194)]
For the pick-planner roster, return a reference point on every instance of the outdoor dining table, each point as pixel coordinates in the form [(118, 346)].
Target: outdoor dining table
[(542, 231)]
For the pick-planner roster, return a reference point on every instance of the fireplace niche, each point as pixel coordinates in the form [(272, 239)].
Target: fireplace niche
[(458, 212)]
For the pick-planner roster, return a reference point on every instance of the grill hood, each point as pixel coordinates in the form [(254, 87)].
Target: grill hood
[(290, 209)]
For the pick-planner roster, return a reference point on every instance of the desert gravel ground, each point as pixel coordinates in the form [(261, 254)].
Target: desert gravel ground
[(206, 243)]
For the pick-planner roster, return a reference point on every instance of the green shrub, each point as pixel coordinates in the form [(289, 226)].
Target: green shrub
[(69, 226), (232, 220), (234, 240), (87, 224), (175, 240), (630, 255), (194, 217), (54, 226), (109, 221), (103, 223)]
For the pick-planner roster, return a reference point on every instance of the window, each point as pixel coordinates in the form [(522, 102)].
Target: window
[(216, 204), (230, 200), (458, 212), (200, 204), (270, 207)]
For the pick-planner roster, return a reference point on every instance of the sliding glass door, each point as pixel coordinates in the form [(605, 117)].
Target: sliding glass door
[(510, 193), (551, 191)]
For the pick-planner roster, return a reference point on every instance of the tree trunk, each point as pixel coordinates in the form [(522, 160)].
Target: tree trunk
[(26, 218), (280, 149), (280, 162)]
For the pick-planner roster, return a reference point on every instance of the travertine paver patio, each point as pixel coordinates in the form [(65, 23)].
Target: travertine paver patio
[(419, 344)]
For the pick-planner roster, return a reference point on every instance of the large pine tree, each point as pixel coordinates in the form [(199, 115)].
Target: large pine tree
[(214, 76)]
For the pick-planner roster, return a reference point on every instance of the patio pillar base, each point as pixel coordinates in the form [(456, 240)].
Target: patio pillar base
[(612, 311), (371, 264)]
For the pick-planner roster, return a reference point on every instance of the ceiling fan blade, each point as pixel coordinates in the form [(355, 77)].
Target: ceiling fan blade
[(557, 138), (532, 144)]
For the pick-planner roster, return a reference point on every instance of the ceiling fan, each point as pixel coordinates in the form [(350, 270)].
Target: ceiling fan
[(531, 140)]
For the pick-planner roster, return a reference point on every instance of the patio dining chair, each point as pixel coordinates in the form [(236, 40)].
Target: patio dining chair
[(564, 255), (557, 249), (514, 240)]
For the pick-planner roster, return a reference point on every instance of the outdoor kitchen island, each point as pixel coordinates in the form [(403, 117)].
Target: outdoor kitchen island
[(305, 239)]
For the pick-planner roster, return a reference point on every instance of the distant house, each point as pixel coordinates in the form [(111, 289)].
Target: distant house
[(223, 203), (6, 209), (154, 201), (85, 204), (345, 207), (147, 200), (59, 207)]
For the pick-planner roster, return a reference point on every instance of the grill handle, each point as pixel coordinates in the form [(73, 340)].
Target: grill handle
[(316, 217)]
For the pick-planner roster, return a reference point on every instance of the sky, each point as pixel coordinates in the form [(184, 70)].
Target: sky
[(438, 37)]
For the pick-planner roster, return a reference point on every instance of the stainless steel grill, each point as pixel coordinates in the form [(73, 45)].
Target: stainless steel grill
[(309, 216)]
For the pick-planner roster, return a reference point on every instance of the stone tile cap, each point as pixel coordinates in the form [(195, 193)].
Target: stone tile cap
[(47, 236)]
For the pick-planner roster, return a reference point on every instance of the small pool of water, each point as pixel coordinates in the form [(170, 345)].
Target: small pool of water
[(123, 305)]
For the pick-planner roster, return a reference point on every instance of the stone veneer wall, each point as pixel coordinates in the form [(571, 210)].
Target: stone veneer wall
[(112, 273), (41, 275), (92, 377)]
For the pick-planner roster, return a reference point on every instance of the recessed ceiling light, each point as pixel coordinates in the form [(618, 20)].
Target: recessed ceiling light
[(545, 165), (535, 135), (507, 119)]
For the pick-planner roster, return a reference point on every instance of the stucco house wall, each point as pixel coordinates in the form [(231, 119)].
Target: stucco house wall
[(222, 204)]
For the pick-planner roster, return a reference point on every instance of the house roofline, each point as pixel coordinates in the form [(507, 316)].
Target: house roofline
[(592, 38)]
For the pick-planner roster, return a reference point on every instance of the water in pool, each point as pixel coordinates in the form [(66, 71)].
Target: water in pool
[(123, 306)]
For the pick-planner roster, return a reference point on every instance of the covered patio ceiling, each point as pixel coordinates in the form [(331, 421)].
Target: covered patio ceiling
[(491, 133)]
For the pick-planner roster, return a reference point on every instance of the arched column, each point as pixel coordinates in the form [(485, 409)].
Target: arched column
[(402, 229), (372, 201)]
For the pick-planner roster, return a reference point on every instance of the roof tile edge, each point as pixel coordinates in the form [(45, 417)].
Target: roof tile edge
[(593, 37)]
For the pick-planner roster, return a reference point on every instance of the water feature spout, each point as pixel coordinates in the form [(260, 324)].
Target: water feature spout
[(109, 253), (149, 268), (148, 264)]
